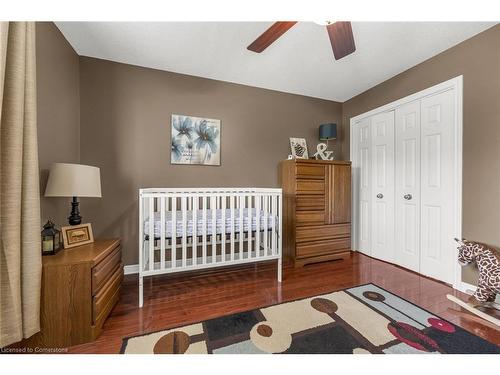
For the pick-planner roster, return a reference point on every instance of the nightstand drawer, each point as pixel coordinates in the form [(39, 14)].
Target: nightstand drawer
[(104, 269), (310, 249), (102, 299)]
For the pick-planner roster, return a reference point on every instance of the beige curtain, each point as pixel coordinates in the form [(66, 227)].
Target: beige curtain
[(20, 256)]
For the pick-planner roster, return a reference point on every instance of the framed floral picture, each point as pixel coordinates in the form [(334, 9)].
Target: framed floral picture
[(195, 140)]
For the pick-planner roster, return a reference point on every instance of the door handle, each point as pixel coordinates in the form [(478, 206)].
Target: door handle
[(407, 197), (380, 195)]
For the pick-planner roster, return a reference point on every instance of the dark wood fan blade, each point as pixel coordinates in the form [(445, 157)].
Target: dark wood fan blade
[(341, 38), (270, 35)]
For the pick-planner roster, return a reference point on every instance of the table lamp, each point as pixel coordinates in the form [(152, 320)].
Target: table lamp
[(327, 132), (73, 180)]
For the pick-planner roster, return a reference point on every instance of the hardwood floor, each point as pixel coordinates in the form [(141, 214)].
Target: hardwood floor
[(171, 301)]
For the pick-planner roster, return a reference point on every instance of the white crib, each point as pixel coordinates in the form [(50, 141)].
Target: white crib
[(177, 231)]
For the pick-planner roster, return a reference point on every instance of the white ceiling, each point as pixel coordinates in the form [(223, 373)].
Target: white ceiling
[(300, 62)]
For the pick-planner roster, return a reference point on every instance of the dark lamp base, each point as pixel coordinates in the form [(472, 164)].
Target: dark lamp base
[(75, 218)]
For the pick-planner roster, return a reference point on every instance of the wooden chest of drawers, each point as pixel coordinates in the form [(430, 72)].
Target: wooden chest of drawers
[(316, 210), (80, 287)]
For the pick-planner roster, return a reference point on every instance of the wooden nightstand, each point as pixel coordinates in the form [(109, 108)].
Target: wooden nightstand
[(80, 287)]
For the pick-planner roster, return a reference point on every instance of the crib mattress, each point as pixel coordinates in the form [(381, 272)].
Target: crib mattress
[(219, 225)]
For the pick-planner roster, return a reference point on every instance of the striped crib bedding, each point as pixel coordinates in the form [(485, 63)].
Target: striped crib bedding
[(266, 221)]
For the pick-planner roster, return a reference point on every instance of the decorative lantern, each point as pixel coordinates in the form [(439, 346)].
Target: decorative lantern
[(51, 239)]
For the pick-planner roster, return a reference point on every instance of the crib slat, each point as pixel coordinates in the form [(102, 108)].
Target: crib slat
[(271, 217), (195, 230), (257, 225), (273, 232), (141, 232), (266, 223), (223, 234), (173, 240), (213, 209), (162, 232), (233, 229), (151, 233), (142, 249), (249, 227), (168, 209), (184, 230), (242, 205), (280, 215), (204, 230)]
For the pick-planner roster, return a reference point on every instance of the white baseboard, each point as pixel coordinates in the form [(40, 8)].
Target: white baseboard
[(466, 287), (131, 269)]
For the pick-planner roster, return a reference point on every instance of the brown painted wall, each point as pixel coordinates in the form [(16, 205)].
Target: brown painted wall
[(125, 130), (478, 60), (58, 102), (125, 122)]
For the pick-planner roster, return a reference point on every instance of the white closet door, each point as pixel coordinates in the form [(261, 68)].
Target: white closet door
[(363, 134), (437, 256), (407, 226), (382, 243)]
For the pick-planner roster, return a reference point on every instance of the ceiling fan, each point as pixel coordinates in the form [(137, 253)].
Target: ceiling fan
[(340, 33)]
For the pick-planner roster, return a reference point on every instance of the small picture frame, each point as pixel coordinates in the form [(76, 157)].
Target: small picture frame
[(299, 148), (77, 235)]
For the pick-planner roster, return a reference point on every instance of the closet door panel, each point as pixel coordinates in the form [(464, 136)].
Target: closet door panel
[(407, 186), (383, 186), (364, 150), (437, 256)]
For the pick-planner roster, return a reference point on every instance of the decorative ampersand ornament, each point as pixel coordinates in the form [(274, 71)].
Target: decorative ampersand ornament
[(322, 153)]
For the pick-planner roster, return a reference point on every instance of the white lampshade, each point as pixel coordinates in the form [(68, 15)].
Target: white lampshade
[(73, 180)]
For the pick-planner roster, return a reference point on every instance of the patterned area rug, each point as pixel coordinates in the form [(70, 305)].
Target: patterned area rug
[(364, 319)]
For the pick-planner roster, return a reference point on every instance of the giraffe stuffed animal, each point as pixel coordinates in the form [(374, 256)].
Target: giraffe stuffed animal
[(488, 264)]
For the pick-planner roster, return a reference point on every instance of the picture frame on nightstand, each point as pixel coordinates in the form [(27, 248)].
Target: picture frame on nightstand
[(77, 235)]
